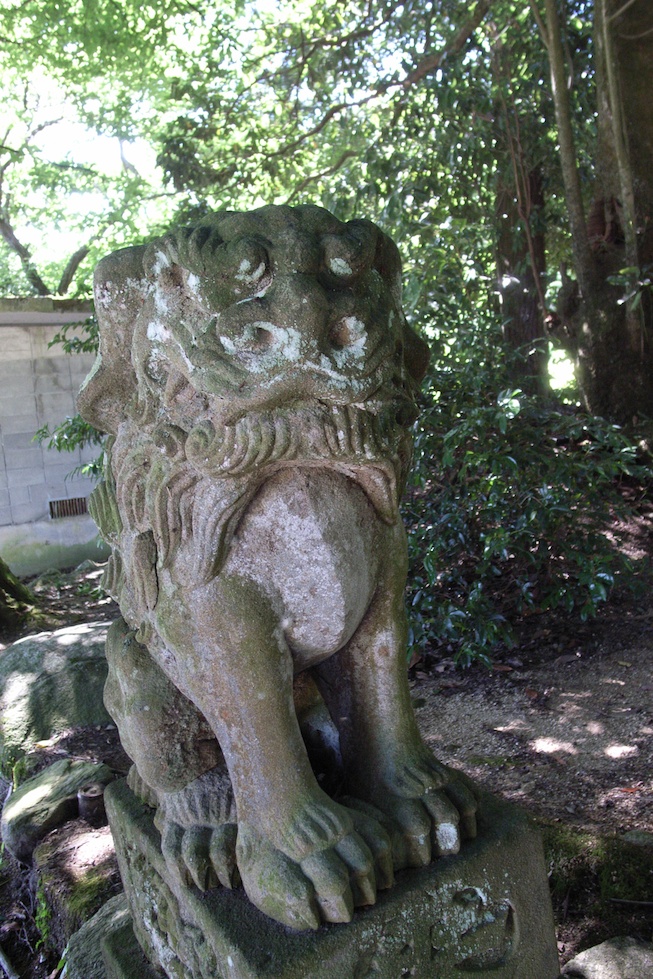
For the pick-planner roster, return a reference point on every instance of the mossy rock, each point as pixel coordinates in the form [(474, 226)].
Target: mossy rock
[(46, 801), (612, 867), (75, 872), (49, 683)]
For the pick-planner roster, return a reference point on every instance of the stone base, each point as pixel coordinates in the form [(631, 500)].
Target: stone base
[(486, 911)]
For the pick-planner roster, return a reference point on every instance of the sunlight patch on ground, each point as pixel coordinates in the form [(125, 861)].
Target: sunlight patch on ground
[(595, 727), (549, 746), (516, 725), (88, 849), (621, 751)]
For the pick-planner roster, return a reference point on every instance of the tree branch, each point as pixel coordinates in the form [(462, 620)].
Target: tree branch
[(540, 23), (431, 62), (622, 10), (323, 173), (72, 265), (328, 115), (35, 280)]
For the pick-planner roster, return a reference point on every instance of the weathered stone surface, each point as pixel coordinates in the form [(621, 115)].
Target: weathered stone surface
[(107, 938), (258, 380), (485, 911), (50, 682), (46, 801), (618, 958)]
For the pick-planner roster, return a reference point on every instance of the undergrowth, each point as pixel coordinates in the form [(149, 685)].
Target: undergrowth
[(508, 506)]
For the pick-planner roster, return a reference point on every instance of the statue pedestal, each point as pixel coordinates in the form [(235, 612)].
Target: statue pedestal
[(486, 911)]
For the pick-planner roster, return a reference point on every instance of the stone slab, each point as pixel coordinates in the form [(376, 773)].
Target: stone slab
[(124, 958), (486, 911)]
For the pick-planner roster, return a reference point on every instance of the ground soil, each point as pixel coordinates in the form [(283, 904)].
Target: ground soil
[(561, 724)]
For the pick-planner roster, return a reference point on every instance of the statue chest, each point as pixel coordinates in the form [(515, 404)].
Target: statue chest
[(312, 542)]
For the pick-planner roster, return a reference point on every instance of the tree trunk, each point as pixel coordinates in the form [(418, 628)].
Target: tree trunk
[(15, 598), (611, 339), (520, 267)]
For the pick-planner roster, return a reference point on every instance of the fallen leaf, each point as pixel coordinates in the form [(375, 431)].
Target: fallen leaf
[(622, 662), (531, 694), (627, 789), (415, 659), (501, 668)]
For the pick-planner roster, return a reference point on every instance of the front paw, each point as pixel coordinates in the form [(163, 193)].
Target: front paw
[(201, 855), (341, 860), (428, 809)]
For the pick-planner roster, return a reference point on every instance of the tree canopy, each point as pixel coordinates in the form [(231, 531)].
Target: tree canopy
[(409, 112)]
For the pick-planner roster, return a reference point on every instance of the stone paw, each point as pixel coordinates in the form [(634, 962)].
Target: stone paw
[(426, 808), (348, 857), (201, 855)]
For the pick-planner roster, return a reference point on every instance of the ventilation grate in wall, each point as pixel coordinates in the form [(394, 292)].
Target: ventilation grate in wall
[(74, 507)]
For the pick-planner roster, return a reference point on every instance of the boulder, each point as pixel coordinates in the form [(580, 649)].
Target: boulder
[(46, 801), (50, 682), (618, 958)]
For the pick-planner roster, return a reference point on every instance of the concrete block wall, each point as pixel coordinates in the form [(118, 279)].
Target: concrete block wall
[(38, 386)]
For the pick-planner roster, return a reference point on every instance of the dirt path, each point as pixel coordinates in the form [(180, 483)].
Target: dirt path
[(563, 726), (567, 735)]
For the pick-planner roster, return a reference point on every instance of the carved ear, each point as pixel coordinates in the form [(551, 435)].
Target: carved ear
[(416, 353), (120, 287)]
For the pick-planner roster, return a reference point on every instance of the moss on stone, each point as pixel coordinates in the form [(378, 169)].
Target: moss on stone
[(605, 868)]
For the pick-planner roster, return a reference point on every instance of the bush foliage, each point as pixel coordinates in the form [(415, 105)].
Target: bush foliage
[(511, 507)]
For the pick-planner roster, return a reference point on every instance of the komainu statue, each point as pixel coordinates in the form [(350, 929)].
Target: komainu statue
[(257, 378)]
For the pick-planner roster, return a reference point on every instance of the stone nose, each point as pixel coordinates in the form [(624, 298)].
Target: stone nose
[(299, 302)]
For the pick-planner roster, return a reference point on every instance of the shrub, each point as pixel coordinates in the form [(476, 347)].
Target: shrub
[(508, 507)]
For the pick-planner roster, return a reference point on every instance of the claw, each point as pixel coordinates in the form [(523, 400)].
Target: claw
[(370, 827), (465, 802), (330, 877), (357, 856), (274, 883), (412, 840), (222, 854), (171, 844), (445, 837), (194, 849)]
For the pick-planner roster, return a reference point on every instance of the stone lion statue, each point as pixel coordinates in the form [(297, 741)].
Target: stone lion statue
[(257, 378)]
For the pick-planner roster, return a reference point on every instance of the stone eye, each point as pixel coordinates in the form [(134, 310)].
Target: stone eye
[(249, 263), (346, 332)]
